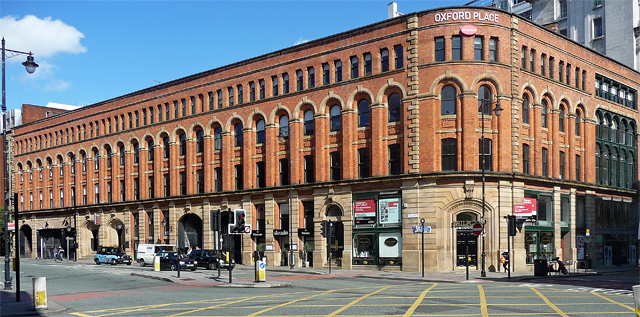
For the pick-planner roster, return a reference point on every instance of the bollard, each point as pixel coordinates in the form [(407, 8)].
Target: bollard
[(636, 298), (261, 273), (156, 264), (40, 293)]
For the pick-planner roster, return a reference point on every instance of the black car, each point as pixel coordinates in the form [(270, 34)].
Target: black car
[(171, 260), (205, 258)]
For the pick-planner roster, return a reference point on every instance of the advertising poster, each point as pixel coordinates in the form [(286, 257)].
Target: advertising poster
[(389, 211), (526, 210), (364, 211)]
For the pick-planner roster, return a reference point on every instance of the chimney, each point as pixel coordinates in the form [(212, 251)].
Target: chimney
[(392, 10)]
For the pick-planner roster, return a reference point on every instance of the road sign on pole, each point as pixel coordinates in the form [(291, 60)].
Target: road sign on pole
[(477, 229)]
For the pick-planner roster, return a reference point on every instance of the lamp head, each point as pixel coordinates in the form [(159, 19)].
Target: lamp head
[(498, 109), (30, 65)]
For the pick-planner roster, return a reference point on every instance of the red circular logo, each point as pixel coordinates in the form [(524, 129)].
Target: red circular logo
[(477, 229), (469, 29)]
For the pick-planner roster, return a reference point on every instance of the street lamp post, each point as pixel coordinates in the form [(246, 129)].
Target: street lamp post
[(30, 66), (498, 111), (284, 135)]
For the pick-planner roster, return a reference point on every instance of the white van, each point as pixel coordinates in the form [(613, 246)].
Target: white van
[(146, 252)]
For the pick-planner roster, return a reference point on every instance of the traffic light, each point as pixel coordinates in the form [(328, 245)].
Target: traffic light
[(239, 220), (323, 228), (512, 225), (216, 224)]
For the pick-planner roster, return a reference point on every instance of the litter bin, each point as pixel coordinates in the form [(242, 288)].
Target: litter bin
[(540, 267)]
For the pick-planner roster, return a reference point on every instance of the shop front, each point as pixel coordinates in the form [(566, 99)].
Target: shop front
[(377, 229)]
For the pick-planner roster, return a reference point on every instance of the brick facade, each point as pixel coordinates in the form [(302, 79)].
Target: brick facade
[(187, 113)]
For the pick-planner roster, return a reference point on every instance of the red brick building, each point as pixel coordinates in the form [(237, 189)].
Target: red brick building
[(384, 128)]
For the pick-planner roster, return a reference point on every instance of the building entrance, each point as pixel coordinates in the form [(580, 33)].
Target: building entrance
[(466, 240), (189, 232)]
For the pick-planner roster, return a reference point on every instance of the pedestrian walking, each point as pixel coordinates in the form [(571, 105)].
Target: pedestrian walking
[(504, 259), (55, 254)]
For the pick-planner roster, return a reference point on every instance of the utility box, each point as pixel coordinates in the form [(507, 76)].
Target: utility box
[(540, 267)]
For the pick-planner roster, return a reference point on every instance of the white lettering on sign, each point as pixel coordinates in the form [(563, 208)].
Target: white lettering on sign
[(465, 16)]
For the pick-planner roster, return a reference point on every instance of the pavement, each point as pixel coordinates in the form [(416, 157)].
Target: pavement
[(9, 306)]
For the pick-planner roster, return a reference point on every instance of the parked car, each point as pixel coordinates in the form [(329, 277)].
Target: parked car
[(222, 260), (111, 255), (146, 252), (171, 260), (206, 259)]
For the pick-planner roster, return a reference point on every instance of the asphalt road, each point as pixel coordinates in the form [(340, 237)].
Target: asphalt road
[(84, 289)]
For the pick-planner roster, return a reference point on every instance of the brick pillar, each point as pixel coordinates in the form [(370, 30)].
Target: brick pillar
[(468, 144), (207, 168), (248, 150), (174, 181), (189, 160), (271, 158), (227, 166), (295, 144), (321, 153), (348, 135), (378, 152)]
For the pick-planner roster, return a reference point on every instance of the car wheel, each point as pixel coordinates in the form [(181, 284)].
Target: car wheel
[(193, 269), (129, 263), (173, 267), (113, 262), (141, 262), (97, 261), (212, 266)]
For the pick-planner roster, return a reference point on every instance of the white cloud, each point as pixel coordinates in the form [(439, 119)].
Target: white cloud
[(57, 85), (300, 41), (44, 37)]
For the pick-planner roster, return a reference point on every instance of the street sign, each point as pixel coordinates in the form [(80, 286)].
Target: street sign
[(11, 226), (477, 229), (247, 229), (421, 229)]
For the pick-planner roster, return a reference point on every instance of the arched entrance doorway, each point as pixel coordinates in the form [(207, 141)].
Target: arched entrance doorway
[(25, 241), (466, 240), (337, 241), (118, 226), (189, 232)]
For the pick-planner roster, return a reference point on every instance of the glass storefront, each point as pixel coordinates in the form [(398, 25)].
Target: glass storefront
[(377, 229)]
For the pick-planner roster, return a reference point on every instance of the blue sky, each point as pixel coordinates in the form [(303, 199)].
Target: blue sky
[(90, 51)]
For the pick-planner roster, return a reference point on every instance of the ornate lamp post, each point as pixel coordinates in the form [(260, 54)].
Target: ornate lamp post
[(498, 111), (30, 66)]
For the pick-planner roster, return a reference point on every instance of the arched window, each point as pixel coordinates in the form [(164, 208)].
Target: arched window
[(484, 100), (334, 114), (150, 150), (598, 163), (238, 134), (614, 131), (199, 141), (217, 139), (578, 119), (136, 153), (309, 125), (614, 168), (394, 104), (183, 144), (543, 115), (121, 150), (605, 128), (165, 147), (606, 162), (363, 113), (622, 178), (525, 109), (108, 150), (260, 134), (448, 100), (284, 126), (561, 119)]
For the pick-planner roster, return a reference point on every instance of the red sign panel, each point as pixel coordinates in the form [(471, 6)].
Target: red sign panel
[(365, 208), (469, 29), (528, 209)]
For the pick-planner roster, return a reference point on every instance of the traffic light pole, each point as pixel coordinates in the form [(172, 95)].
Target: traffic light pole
[(17, 236)]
